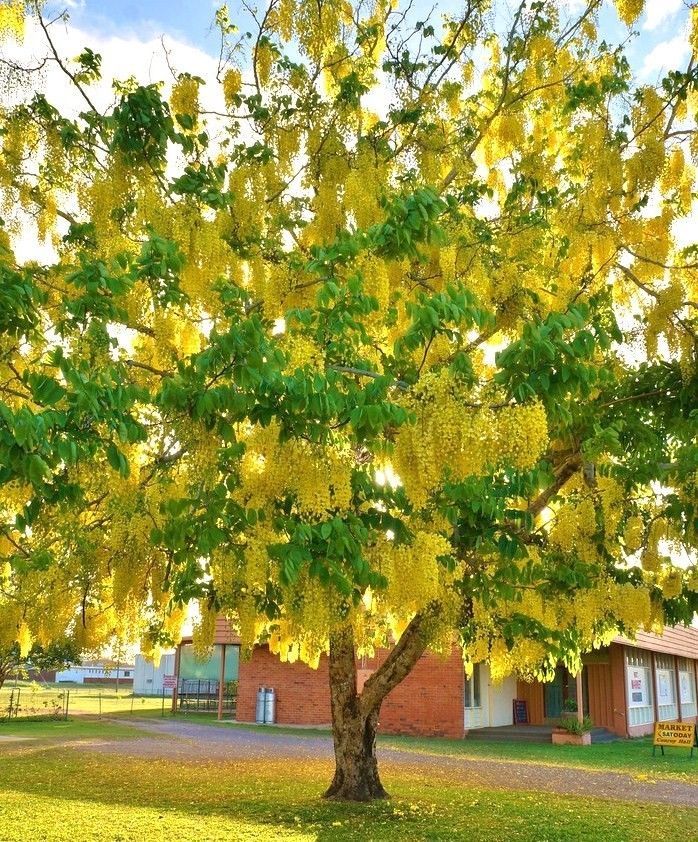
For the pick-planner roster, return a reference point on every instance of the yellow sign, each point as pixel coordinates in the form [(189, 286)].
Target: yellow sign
[(674, 734)]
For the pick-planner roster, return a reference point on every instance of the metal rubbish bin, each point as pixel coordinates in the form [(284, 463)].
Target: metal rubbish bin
[(259, 713), (269, 706)]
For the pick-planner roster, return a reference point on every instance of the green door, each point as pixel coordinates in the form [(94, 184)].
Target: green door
[(552, 694)]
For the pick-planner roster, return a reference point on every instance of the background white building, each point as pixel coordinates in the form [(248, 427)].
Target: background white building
[(96, 672), (148, 677)]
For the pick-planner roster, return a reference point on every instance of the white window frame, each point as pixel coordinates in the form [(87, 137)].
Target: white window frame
[(638, 667), (665, 678), (687, 679), (472, 693)]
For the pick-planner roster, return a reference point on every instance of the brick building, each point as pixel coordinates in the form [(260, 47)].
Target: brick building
[(626, 688)]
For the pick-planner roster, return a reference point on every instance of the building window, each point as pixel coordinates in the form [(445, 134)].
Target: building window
[(639, 686), (474, 714), (127, 673), (665, 676), (472, 688), (687, 687)]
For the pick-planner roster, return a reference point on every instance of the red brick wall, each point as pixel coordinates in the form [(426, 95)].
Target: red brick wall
[(45, 676), (111, 680), (428, 702), (302, 694)]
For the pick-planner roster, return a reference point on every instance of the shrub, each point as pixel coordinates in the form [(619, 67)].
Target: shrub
[(574, 726)]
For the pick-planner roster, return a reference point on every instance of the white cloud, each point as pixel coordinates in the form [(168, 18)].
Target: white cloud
[(123, 55), (667, 55), (660, 11)]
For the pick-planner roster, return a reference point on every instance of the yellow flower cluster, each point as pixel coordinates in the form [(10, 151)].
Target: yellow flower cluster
[(672, 583), (644, 167), (301, 352), (451, 439), (692, 580), (634, 534), (612, 495), (286, 11), (629, 10), (232, 84), (413, 571), (204, 631), (25, 640), (318, 477), (185, 97), (631, 606), (678, 179), (659, 317), (264, 58), (12, 16), (573, 527), (651, 560), (258, 570)]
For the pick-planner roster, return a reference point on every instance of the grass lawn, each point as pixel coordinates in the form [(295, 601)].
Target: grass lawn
[(631, 756), (47, 732), (55, 792)]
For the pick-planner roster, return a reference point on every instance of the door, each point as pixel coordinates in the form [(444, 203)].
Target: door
[(599, 691), (553, 694)]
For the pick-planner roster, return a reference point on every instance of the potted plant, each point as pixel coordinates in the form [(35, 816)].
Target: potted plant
[(570, 731), (569, 709)]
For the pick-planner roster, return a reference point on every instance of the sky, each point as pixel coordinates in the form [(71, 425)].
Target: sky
[(661, 44)]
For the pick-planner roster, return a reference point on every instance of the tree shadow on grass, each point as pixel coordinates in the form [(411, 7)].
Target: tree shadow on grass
[(276, 799)]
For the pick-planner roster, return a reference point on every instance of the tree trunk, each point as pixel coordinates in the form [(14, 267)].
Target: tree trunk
[(354, 730), (5, 669), (355, 716)]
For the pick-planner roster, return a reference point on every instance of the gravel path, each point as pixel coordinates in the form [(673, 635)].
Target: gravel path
[(191, 741)]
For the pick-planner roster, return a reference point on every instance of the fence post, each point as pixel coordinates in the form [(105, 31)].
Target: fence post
[(12, 704), (19, 690), (162, 713)]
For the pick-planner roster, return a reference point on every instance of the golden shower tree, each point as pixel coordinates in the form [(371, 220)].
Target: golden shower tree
[(395, 347)]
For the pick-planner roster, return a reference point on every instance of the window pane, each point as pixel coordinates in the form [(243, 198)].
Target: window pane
[(476, 686)]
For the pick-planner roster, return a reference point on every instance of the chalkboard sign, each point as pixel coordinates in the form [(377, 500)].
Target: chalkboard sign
[(520, 712)]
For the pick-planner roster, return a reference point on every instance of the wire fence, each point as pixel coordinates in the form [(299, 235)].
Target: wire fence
[(34, 701), (201, 695)]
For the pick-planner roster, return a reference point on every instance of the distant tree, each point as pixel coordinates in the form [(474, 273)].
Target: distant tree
[(55, 656), (352, 380)]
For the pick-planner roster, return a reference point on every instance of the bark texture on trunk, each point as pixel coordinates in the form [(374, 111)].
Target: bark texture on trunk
[(354, 730), (355, 716), (5, 670)]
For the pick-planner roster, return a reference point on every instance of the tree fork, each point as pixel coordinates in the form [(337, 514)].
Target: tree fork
[(355, 716)]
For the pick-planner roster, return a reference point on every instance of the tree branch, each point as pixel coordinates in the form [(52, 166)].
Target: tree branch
[(401, 658)]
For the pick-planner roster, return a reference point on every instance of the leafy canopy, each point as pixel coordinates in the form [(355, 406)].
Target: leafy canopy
[(395, 322)]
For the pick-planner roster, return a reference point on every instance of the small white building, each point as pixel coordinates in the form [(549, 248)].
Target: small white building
[(96, 672), (148, 677)]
